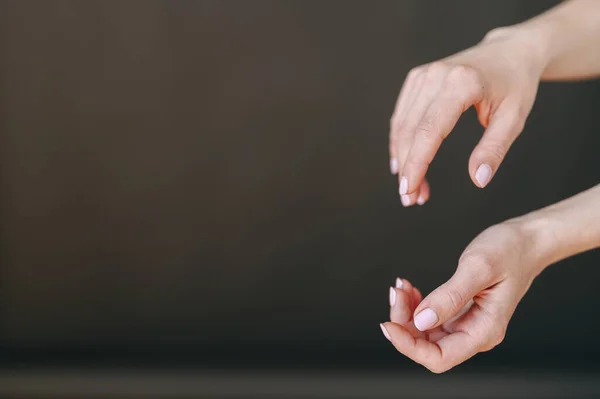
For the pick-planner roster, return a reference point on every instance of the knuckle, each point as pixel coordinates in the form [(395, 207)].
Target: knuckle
[(461, 74), (455, 298), (428, 130), (495, 33), (499, 336), (429, 121), (413, 73), (496, 337), (417, 162), (496, 150), (483, 265), (436, 68), (437, 368), (403, 133)]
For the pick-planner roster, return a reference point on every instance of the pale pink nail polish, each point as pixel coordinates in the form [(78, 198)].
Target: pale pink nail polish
[(385, 332), (426, 319), (399, 283), (403, 185), (405, 200), (483, 174), (394, 166), (392, 296), (420, 200)]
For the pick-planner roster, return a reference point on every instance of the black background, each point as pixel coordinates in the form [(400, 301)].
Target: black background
[(207, 182)]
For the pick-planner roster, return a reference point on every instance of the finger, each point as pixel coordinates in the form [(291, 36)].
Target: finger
[(400, 306), (411, 294), (412, 291), (487, 329), (407, 287), (409, 199), (419, 350), (404, 284), (417, 298), (429, 84), (457, 347), (400, 137), (398, 115), (460, 91), (424, 193), (451, 324), (449, 351), (446, 301), (436, 334), (505, 126)]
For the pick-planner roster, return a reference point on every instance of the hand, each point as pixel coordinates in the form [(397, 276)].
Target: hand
[(469, 313), (499, 76)]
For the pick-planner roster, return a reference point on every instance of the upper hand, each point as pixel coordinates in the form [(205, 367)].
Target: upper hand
[(499, 76)]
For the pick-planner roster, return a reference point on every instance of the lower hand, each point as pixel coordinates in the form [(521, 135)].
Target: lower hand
[(469, 313)]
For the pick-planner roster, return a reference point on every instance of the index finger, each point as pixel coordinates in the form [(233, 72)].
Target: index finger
[(461, 90)]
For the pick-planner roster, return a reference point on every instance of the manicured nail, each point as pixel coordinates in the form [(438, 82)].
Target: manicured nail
[(394, 166), (403, 185), (420, 200), (426, 319), (385, 333), (405, 200), (399, 283), (392, 296), (483, 174)]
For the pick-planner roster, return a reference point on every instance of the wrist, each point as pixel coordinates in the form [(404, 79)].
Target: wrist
[(530, 42), (542, 245), (561, 230)]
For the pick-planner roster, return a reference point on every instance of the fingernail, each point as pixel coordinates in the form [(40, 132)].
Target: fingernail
[(426, 319), (399, 283), (394, 166), (420, 200), (385, 333), (405, 200), (392, 296), (403, 185), (483, 174)]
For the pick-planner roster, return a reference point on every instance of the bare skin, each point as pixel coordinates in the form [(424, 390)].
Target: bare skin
[(470, 312), (499, 77)]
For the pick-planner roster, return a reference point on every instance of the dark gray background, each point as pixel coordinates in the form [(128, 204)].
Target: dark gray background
[(207, 181)]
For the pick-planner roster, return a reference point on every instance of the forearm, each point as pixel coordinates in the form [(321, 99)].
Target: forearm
[(564, 229), (566, 39)]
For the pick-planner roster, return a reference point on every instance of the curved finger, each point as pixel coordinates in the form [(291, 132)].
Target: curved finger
[(400, 136), (449, 351), (406, 93), (426, 87), (419, 350), (400, 306), (460, 91), (424, 193), (409, 199)]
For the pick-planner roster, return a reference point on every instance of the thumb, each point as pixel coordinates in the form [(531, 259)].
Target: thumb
[(505, 126), (448, 299)]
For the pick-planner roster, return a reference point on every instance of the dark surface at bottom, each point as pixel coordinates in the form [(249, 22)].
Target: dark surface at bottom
[(203, 384)]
